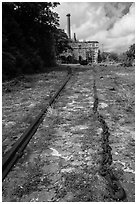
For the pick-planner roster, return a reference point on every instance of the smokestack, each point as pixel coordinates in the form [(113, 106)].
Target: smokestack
[(68, 25), (75, 37)]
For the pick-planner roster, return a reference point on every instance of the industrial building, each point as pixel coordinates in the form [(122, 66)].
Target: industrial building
[(81, 50)]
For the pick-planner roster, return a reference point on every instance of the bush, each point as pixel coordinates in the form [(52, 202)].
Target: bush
[(83, 62), (37, 63), (28, 37), (8, 65)]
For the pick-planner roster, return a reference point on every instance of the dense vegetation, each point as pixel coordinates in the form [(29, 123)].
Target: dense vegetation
[(127, 58), (32, 41), (30, 37)]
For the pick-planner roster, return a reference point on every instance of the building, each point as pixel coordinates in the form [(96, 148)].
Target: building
[(87, 50), (81, 50)]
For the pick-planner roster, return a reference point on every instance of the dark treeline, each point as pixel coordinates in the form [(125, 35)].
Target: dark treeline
[(30, 37)]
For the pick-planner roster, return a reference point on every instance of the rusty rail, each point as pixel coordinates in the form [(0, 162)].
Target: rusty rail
[(11, 157)]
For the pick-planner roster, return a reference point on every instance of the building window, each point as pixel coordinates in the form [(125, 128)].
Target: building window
[(79, 46), (93, 45)]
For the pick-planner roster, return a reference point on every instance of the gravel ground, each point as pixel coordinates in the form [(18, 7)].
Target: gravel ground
[(62, 160), (22, 100), (116, 91)]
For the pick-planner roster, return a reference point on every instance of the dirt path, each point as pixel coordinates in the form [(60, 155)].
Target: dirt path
[(62, 160)]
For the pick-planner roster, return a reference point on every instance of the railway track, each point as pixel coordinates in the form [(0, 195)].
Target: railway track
[(77, 159), (11, 157)]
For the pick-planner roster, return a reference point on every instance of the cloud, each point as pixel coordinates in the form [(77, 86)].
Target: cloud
[(110, 23), (124, 25), (116, 9)]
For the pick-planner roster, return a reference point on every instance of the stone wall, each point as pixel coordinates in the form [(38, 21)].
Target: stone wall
[(85, 50)]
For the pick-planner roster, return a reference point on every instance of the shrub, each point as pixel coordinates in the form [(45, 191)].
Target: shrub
[(8, 65)]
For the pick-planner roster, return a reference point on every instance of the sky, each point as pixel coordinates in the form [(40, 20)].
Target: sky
[(112, 24)]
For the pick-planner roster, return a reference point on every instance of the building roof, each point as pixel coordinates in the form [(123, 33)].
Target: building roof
[(72, 41), (91, 41)]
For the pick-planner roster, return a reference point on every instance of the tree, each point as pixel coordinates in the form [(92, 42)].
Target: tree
[(104, 56), (113, 56), (27, 36), (122, 57), (99, 56), (131, 52), (61, 41), (128, 57)]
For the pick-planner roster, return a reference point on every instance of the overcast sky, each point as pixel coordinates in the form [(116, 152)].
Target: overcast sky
[(110, 23)]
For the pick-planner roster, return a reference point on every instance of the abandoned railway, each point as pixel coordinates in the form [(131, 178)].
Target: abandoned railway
[(80, 148), (16, 151)]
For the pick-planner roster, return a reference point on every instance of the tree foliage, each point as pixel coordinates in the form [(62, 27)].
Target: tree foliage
[(102, 56), (28, 37), (113, 57), (99, 56), (61, 41), (128, 58), (131, 52)]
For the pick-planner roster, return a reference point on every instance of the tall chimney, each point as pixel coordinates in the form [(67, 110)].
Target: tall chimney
[(75, 37), (68, 26)]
